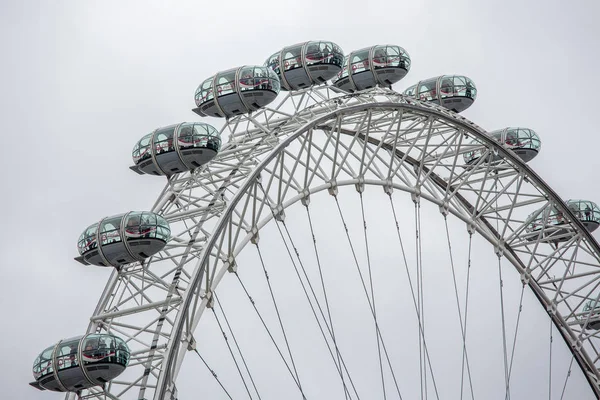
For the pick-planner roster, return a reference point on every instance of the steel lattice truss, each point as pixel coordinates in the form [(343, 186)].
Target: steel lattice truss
[(320, 139)]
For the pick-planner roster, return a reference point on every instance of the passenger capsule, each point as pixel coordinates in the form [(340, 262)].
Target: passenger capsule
[(377, 65), (591, 315), (123, 239), (236, 91), (524, 142), (551, 219), (176, 148), (80, 363), (306, 64), (456, 93)]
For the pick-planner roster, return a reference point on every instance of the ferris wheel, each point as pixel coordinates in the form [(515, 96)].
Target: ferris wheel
[(341, 241)]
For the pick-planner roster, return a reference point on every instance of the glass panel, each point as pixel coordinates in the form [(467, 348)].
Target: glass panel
[(411, 91), (427, 90), (204, 91), (66, 354), (141, 150), (344, 71), (43, 363), (446, 87), (273, 83), (163, 139), (147, 225), (100, 348), (109, 230), (162, 228), (359, 61), (292, 57), (226, 83), (273, 63), (122, 351), (87, 240), (246, 79)]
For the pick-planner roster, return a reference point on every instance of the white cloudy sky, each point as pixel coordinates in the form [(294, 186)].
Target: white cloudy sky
[(84, 80)]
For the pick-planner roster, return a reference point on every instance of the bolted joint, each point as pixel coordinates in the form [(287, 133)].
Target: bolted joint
[(305, 200), (259, 178), (526, 277), (416, 196), (551, 308), (191, 343), (388, 188), (444, 210), (360, 185), (279, 213), (499, 248), (471, 228), (333, 188), (255, 238), (231, 265), (209, 300)]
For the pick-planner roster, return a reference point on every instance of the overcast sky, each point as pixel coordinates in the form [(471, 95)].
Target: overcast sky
[(82, 81)]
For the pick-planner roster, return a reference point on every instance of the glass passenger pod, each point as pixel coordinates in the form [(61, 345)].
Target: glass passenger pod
[(236, 91), (176, 148), (524, 142), (590, 316), (80, 363), (454, 92), (378, 65), (306, 64), (123, 239), (551, 219)]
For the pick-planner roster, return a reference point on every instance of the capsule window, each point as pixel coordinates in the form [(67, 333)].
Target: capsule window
[(427, 90), (292, 58), (359, 61), (66, 354), (163, 140), (87, 240), (109, 230), (226, 83), (141, 151), (273, 63)]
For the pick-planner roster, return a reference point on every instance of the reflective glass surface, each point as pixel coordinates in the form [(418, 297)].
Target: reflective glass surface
[(225, 82), (146, 225), (359, 61), (104, 348), (141, 151), (511, 138), (43, 363), (390, 56), (584, 210), (204, 91), (273, 63), (292, 57), (88, 240), (427, 90), (163, 139), (109, 230), (66, 354), (411, 91), (323, 53), (198, 135)]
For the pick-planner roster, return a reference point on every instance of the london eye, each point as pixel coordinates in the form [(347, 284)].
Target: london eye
[(322, 235)]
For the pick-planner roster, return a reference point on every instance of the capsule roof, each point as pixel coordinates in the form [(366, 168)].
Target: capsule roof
[(455, 92), (176, 148), (236, 91), (123, 239), (305, 64), (524, 142), (73, 364), (381, 65)]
